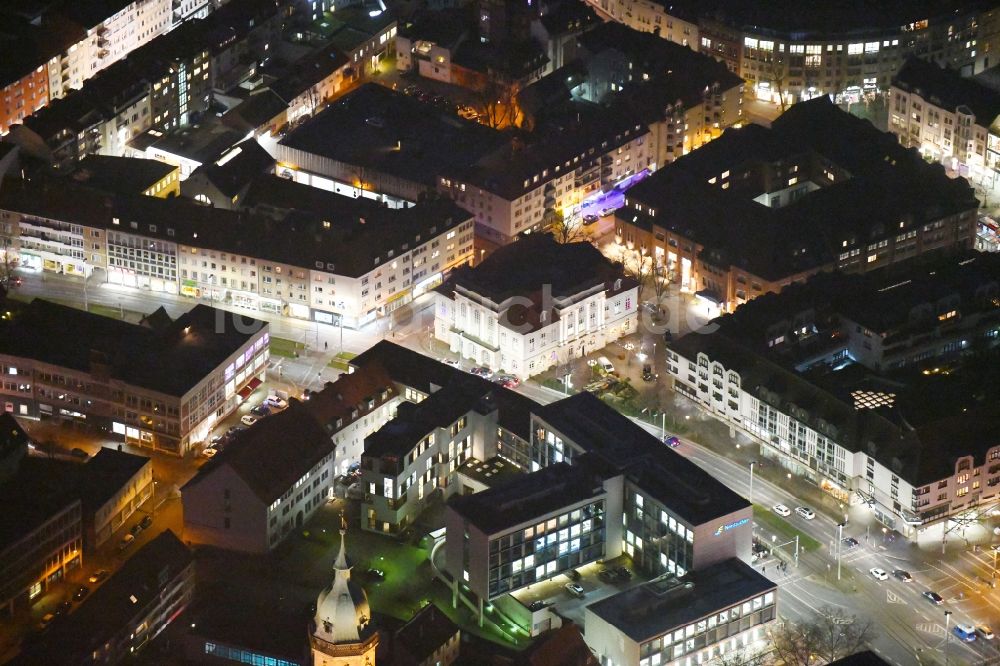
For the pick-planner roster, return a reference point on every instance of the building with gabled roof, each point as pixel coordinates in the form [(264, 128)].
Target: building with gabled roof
[(429, 638), (261, 486)]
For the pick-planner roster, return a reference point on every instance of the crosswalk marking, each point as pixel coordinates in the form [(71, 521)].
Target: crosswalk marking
[(932, 628)]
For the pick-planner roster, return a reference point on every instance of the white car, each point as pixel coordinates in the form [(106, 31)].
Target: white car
[(878, 574), (575, 589), (248, 419), (605, 364), (805, 512), (276, 402), (782, 510), (452, 363)]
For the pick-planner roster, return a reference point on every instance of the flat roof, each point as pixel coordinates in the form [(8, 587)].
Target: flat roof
[(126, 175), (37, 491), (171, 360), (526, 498), (107, 473), (378, 128), (493, 472), (686, 489), (650, 610)]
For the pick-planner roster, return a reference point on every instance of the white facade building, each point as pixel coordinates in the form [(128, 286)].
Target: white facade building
[(518, 312)]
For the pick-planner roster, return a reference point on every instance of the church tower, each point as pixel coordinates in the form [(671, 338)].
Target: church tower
[(342, 633)]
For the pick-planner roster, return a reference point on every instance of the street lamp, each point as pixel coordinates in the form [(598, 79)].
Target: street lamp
[(947, 635), (840, 541), (750, 494)]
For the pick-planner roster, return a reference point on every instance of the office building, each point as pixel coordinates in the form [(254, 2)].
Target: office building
[(534, 305), (695, 618), (161, 388)]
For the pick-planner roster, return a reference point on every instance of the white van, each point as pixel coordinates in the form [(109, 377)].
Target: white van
[(605, 364)]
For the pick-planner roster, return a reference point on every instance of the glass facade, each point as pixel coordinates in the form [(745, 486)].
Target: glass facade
[(655, 539), (549, 547), (245, 656), (706, 639)]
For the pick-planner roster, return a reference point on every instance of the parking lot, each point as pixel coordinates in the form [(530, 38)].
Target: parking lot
[(554, 592)]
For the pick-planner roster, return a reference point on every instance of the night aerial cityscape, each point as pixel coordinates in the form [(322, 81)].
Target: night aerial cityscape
[(500, 332)]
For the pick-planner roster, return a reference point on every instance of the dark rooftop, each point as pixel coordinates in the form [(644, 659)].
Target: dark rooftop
[(948, 89), (107, 473), (526, 498), (537, 262), (378, 128), (650, 610), (274, 453), (348, 246), (866, 658), (427, 631), (894, 183), (37, 491), (835, 19), (254, 618), (689, 491), (237, 168), (169, 361), (104, 614), (120, 175)]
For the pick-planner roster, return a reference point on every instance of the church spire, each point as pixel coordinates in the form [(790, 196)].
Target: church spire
[(341, 562)]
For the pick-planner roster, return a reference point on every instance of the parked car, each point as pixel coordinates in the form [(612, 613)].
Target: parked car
[(64, 608), (781, 510), (590, 219), (805, 512), (647, 374), (482, 371), (135, 529), (878, 574), (574, 575), (902, 575), (933, 597), (604, 364), (607, 210), (623, 573), (984, 632), (607, 575), (126, 541), (81, 592), (672, 441), (146, 522), (274, 402), (376, 574), (575, 589), (46, 620), (79, 453), (98, 576), (508, 381), (248, 419), (261, 410)]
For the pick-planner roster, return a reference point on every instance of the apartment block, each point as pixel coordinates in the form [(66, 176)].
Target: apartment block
[(759, 209), (947, 118), (862, 385)]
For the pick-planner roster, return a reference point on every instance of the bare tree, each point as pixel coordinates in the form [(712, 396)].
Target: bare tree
[(563, 230), (829, 635), (8, 256), (637, 264), (743, 656), (660, 280), (498, 103), (776, 70)]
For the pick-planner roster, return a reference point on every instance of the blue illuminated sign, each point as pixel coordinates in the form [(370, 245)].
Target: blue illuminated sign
[(731, 526)]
